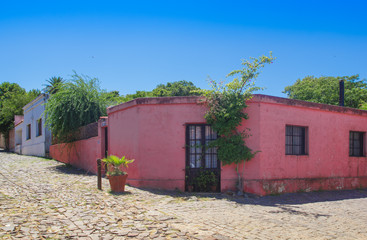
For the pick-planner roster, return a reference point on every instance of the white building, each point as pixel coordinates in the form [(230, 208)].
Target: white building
[(31, 135)]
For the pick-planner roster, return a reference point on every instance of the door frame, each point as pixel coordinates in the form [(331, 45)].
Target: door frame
[(191, 173)]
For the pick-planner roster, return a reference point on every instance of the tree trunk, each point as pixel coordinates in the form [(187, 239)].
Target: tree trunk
[(240, 183)]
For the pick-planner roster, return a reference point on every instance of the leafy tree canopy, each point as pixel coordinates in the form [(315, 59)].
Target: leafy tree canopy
[(179, 88), (77, 102), (225, 114), (326, 90), (12, 100), (7, 89), (53, 84)]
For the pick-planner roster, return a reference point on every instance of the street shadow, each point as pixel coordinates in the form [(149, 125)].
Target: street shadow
[(69, 169), (5, 151), (270, 200), (120, 194), (249, 199)]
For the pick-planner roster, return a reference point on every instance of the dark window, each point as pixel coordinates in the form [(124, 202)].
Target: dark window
[(28, 132), (39, 127), (295, 140), (356, 144), (200, 155)]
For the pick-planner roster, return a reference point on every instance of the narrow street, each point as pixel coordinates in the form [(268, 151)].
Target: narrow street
[(45, 199)]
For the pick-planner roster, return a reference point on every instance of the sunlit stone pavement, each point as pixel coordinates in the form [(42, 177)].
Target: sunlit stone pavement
[(45, 199)]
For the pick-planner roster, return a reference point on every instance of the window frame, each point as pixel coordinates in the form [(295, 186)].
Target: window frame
[(304, 140), (203, 149), (39, 128), (28, 132), (361, 147)]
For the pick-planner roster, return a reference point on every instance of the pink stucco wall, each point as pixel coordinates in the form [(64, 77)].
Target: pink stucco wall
[(152, 131), (18, 119), (327, 164), (82, 154)]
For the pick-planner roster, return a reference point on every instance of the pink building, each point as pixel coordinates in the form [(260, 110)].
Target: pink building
[(303, 146)]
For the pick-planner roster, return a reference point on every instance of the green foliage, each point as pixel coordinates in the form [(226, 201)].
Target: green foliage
[(225, 111), (232, 148), (7, 88), (77, 102), (54, 84), (326, 90), (226, 103), (12, 100), (178, 88), (114, 163), (205, 180)]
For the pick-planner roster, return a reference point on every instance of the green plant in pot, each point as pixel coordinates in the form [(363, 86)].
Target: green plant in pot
[(190, 184), (115, 175), (206, 181)]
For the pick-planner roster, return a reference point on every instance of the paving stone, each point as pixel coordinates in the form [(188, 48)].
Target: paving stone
[(62, 203)]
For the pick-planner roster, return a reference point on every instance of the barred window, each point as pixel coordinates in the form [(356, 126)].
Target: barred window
[(356, 144), (295, 140), (199, 153)]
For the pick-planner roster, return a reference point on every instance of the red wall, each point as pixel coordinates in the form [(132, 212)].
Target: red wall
[(327, 165), (82, 154), (152, 131), (12, 140)]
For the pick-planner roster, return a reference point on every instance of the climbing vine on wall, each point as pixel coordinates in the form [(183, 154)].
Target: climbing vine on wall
[(226, 104)]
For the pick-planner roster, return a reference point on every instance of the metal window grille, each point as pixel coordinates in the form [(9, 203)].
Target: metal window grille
[(200, 154), (295, 140), (356, 144)]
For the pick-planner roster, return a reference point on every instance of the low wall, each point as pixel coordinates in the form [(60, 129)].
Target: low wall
[(2, 141), (12, 140), (82, 154)]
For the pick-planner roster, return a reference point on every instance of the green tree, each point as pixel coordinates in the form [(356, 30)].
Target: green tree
[(77, 102), (114, 98), (178, 88), (226, 103), (7, 89), (12, 100), (53, 84), (326, 90)]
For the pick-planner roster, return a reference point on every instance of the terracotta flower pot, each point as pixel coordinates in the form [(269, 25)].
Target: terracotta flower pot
[(117, 183)]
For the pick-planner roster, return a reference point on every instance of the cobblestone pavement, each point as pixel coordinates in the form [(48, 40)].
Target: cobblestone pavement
[(45, 199)]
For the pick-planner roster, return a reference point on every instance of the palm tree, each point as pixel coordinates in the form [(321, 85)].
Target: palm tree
[(53, 85)]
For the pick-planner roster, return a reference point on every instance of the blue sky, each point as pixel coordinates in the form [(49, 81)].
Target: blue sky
[(136, 45)]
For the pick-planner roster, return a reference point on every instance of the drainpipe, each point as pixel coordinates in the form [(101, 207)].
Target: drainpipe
[(341, 93)]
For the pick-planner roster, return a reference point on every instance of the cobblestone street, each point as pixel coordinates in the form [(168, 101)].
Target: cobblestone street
[(45, 199)]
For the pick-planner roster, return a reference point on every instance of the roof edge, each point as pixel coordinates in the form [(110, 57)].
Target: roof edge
[(154, 100), (300, 103), (256, 98), (34, 100)]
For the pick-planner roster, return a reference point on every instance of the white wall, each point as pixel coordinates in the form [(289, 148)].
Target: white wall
[(36, 145)]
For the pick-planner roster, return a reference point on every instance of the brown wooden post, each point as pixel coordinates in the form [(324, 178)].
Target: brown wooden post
[(99, 174)]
